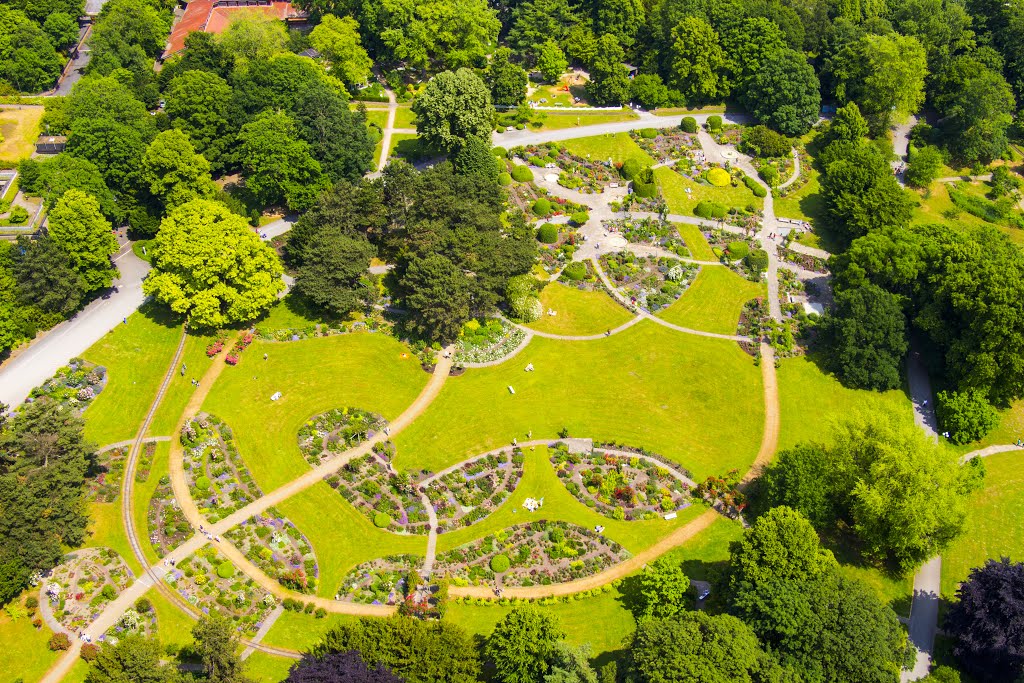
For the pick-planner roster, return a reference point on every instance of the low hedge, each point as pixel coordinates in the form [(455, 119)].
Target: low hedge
[(754, 186), (521, 174), (738, 250), (715, 123), (649, 133), (548, 233), (576, 270), (710, 210), (500, 563), (580, 217)]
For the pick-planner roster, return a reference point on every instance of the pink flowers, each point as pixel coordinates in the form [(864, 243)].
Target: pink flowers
[(236, 351)]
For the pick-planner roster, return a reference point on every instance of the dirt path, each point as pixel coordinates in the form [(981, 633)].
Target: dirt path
[(990, 450), (772, 414)]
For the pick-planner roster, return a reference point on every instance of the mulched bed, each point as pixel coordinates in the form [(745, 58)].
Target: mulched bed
[(337, 431), (277, 547), (218, 480), (589, 176), (650, 231), (103, 482), (649, 282), (476, 489), (384, 581)]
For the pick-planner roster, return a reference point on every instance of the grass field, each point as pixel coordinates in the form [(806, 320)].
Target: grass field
[(540, 481), (19, 129), (714, 301), (136, 356), (173, 625), (993, 523), (180, 389), (695, 242), (265, 668), (557, 120), (405, 117), (359, 370), (689, 111), (144, 493), (805, 204), (300, 631), (579, 312), (695, 400), (25, 657), (405, 145), (618, 147), (673, 189), (378, 117), (291, 313)]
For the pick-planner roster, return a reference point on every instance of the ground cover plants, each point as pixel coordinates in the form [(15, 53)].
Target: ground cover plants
[(389, 499), (167, 524), (383, 581), (277, 547), (217, 478), (667, 144), (648, 282), (475, 489), (208, 582), (575, 172), (74, 385), (104, 483), (337, 431), (487, 340), (80, 587)]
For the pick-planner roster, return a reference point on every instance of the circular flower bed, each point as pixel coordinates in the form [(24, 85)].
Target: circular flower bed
[(488, 341), (79, 588), (279, 549), (218, 480), (336, 431), (384, 581)]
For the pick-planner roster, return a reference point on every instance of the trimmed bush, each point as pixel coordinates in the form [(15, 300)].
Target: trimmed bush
[(769, 174), (500, 563), (709, 210), (60, 641), (754, 186), (688, 124), (203, 483), (738, 250), (500, 129), (381, 520), (521, 174), (89, 652), (580, 217), (547, 233), (576, 270), (646, 190), (757, 260), (966, 415), (542, 207), (225, 570), (649, 133), (499, 152), (504, 179), (718, 177), (630, 168), (715, 123)]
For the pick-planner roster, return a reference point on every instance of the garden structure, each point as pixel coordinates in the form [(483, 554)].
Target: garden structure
[(336, 431), (217, 478), (79, 588), (473, 490), (273, 544), (649, 282)]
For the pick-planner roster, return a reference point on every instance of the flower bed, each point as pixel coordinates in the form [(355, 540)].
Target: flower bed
[(648, 282), (651, 231), (167, 525), (384, 581), (75, 385), (389, 499), (585, 175), (475, 490), (278, 548), (540, 552), (235, 354), (218, 480), (217, 345), (103, 483), (87, 581), (145, 462), (620, 486), (669, 144), (376, 323), (208, 582), (815, 264), (336, 431), (491, 341)]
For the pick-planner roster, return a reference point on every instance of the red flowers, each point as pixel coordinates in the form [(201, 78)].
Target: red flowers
[(236, 351)]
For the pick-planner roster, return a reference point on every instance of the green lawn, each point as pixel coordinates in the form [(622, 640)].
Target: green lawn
[(406, 145), (106, 530), (805, 204), (379, 117), (173, 625), (695, 242), (144, 493), (291, 313), (180, 389), (540, 481), (25, 656), (405, 117), (361, 370), (618, 147), (693, 399), (300, 631), (688, 111), (557, 120), (993, 524), (673, 189), (136, 356), (342, 537), (578, 312), (714, 301), (19, 129), (265, 668)]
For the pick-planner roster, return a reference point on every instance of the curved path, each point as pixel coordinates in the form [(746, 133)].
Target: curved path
[(991, 450), (580, 337), (796, 171), (512, 354)]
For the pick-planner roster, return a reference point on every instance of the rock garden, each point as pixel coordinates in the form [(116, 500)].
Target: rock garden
[(575, 173), (475, 489), (541, 552), (622, 486), (389, 499), (80, 587), (487, 339), (218, 480), (274, 545), (648, 282), (667, 144), (649, 231), (374, 323), (103, 483), (75, 385), (336, 431), (168, 527), (209, 582), (384, 581)]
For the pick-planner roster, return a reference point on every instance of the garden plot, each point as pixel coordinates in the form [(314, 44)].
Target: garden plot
[(79, 588), (168, 526), (384, 581), (651, 232), (74, 385), (218, 480), (337, 431), (540, 552), (649, 282), (103, 482), (388, 498), (486, 340), (621, 486), (668, 145), (277, 547), (210, 583), (589, 176), (475, 489)]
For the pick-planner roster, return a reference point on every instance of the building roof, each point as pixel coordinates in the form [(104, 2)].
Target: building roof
[(213, 16)]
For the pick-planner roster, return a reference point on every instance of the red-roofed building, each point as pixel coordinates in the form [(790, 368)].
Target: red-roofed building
[(213, 16)]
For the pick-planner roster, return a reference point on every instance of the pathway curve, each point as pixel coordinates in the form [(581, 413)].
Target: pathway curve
[(580, 337), (265, 627), (389, 130), (990, 450), (796, 170), (514, 138)]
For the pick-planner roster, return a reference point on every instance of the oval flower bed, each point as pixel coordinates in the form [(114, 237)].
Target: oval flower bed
[(650, 282), (167, 525), (277, 547), (488, 341), (475, 489), (384, 581), (389, 499), (218, 480), (336, 431), (76, 385), (80, 587)]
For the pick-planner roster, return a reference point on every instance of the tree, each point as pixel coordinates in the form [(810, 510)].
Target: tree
[(210, 266), (102, 98), (338, 138), (252, 36), (278, 167), (986, 621), (337, 39), (115, 148), (78, 227), (924, 166), (697, 61), (506, 80), (866, 337), (847, 125), (216, 643), (804, 478), (649, 91), (966, 415), (348, 667), (978, 117), (134, 658), (62, 29), (860, 191), (46, 279), (571, 665), (784, 93), (750, 46), (580, 44), (447, 34), (334, 273), (537, 21), (609, 78), (437, 299), (198, 103), (523, 645), (551, 61), (454, 107), (476, 159), (175, 173), (780, 546), (28, 60), (64, 172), (662, 590), (620, 18), (279, 82)]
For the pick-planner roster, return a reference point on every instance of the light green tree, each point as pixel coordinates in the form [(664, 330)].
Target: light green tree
[(77, 225), (209, 265), (197, 102), (662, 589), (884, 75), (454, 107), (523, 645), (174, 171), (337, 39), (551, 61), (697, 61), (254, 35)]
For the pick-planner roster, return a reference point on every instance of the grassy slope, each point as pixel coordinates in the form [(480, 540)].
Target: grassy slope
[(618, 147), (19, 129), (25, 655), (695, 242), (673, 188), (579, 312), (713, 302)]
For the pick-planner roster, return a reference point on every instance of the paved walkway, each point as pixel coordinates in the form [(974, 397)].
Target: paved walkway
[(809, 251), (129, 442), (990, 450), (796, 170), (389, 130), (265, 627), (514, 138)]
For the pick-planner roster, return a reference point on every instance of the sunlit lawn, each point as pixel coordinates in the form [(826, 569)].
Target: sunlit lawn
[(556, 120), (805, 204), (19, 129), (179, 391), (714, 301), (673, 188), (173, 624), (405, 145), (615, 146), (693, 399), (578, 312), (378, 117), (106, 530), (300, 631), (695, 242), (265, 668), (25, 654), (360, 370), (405, 117), (688, 111)]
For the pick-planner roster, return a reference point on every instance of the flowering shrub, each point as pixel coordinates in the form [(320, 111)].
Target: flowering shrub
[(236, 351)]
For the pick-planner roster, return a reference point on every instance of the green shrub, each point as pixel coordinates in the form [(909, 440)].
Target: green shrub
[(769, 174), (765, 143), (576, 271), (504, 179), (710, 210), (500, 129), (225, 570), (738, 250), (580, 217), (520, 126), (381, 520), (499, 152), (715, 123), (688, 124), (647, 190), (966, 415), (754, 186), (521, 174), (542, 207), (500, 563), (718, 177), (630, 168), (547, 233), (203, 483), (59, 641), (757, 260), (18, 216), (649, 133)]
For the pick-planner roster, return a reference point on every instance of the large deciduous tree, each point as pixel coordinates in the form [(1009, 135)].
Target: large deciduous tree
[(697, 61), (438, 297), (198, 103), (216, 643), (662, 589), (784, 93), (174, 171), (254, 36), (134, 658), (28, 60), (454, 107), (278, 165), (340, 666), (609, 78), (337, 39), (506, 80), (79, 228), (522, 645)]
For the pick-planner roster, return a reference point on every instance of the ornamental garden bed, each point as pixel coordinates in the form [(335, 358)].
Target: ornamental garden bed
[(277, 547), (484, 340), (218, 480), (384, 581), (668, 144), (541, 552), (374, 323), (144, 465), (809, 262), (581, 275), (588, 176), (650, 231), (649, 282), (168, 527), (475, 490), (621, 486), (210, 583), (337, 431), (806, 166), (388, 498), (75, 385), (87, 581), (103, 482)]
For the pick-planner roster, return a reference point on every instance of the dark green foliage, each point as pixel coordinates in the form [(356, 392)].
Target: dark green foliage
[(500, 563), (630, 168), (765, 143), (506, 80), (55, 176), (710, 210), (475, 159), (784, 94), (662, 590), (609, 79), (279, 166), (715, 123), (28, 61), (438, 297), (847, 125), (522, 645), (649, 91), (547, 233), (216, 643), (453, 108), (348, 667), (966, 415), (338, 137), (802, 478), (688, 124), (754, 186), (924, 166), (865, 334), (198, 102), (46, 278), (134, 658), (276, 84), (757, 260)]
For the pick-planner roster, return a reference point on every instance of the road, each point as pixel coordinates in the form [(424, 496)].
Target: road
[(514, 138), (38, 362)]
